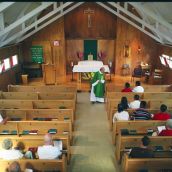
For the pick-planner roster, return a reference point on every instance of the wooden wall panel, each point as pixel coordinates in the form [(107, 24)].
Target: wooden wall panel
[(52, 54), (108, 47), (127, 34), (9, 77), (103, 23)]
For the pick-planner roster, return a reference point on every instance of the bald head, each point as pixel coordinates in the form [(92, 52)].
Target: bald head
[(102, 69), (14, 167), (48, 139)]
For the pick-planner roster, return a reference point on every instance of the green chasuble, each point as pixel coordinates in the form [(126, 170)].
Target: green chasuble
[(99, 89)]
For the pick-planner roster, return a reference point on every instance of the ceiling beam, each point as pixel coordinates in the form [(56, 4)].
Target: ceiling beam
[(50, 21), (152, 15), (4, 5), (128, 21), (43, 6), (1, 21), (19, 16), (141, 21), (33, 25)]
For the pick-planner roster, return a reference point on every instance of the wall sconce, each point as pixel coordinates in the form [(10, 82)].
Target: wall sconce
[(139, 49), (126, 51)]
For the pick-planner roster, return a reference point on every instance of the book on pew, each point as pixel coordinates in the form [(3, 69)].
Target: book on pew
[(124, 132), (159, 148), (14, 132), (54, 119), (66, 118), (5, 132), (39, 119), (65, 132), (62, 107), (52, 131), (33, 132), (58, 143), (132, 132), (150, 132), (25, 132), (15, 119)]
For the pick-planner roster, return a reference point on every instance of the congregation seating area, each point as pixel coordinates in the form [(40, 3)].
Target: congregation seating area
[(32, 112), (128, 134)]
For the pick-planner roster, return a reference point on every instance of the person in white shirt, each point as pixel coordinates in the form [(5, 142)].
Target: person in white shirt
[(48, 151), (136, 103), (138, 88), (8, 153), (120, 114)]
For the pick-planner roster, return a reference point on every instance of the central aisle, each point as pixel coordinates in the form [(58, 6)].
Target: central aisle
[(92, 149)]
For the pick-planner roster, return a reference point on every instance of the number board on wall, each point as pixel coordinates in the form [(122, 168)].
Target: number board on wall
[(37, 53)]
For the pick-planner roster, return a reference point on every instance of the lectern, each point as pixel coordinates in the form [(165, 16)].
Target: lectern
[(49, 74)]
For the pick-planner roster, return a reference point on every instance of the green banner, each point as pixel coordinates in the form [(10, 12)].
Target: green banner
[(37, 53), (90, 47)]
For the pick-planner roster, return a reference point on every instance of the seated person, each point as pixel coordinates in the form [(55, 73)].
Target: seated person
[(14, 167), (48, 151), (162, 115), (143, 151), (127, 88), (138, 88), (8, 153), (141, 113), (124, 103), (168, 130), (136, 103), (120, 114), (3, 118)]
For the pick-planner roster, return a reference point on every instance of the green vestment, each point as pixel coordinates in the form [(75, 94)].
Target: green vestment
[(99, 89)]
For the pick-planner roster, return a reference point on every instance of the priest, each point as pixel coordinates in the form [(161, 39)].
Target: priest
[(98, 86)]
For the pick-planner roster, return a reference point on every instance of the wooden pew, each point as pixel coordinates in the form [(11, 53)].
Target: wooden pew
[(30, 114), (152, 164), (37, 104), (135, 140), (16, 104), (19, 95), (157, 103), (130, 111), (41, 165), (28, 141), (49, 89), (147, 88), (63, 127), (140, 125), (38, 96)]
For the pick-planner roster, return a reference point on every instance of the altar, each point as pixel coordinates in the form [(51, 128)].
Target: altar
[(88, 66)]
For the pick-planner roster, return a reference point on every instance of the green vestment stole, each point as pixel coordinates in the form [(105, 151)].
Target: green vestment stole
[(99, 89)]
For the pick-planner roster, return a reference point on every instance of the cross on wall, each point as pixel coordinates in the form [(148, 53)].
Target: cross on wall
[(89, 12)]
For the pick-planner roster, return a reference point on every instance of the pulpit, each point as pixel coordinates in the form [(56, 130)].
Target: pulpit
[(49, 73)]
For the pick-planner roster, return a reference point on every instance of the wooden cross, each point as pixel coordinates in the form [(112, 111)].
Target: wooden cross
[(89, 12)]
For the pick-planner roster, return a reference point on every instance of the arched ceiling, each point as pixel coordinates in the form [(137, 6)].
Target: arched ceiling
[(19, 20)]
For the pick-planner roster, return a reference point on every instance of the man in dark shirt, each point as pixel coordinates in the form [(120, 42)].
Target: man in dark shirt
[(142, 151), (141, 113)]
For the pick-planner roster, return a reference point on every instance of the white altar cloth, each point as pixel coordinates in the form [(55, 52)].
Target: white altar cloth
[(90, 66)]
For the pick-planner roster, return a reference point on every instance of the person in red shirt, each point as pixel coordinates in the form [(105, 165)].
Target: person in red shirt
[(162, 115), (127, 88), (168, 130)]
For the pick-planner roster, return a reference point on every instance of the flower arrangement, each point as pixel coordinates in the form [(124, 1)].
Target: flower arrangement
[(101, 55), (80, 55)]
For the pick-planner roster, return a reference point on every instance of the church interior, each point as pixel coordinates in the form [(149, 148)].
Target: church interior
[(50, 52)]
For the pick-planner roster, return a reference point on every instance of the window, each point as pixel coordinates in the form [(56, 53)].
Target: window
[(1, 66), (166, 61), (7, 64), (14, 60)]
